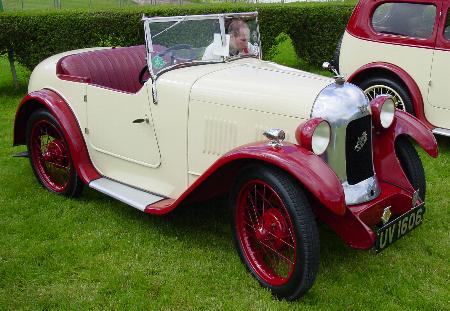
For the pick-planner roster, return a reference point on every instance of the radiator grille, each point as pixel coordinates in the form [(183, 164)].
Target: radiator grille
[(358, 150)]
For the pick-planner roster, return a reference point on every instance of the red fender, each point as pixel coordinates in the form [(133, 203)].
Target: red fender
[(396, 191), (310, 170), (386, 163), (416, 95), (54, 103)]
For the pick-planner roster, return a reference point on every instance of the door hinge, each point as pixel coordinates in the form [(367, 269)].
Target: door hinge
[(86, 130), (429, 83), (85, 98)]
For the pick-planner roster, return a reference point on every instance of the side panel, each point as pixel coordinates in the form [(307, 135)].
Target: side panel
[(215, 129), (71, 129), (439, 93), (112, 131)]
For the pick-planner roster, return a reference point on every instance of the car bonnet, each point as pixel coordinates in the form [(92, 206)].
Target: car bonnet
[(261, 86)]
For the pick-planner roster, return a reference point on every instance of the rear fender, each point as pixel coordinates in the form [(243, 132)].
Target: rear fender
[(307, 168), (58, 107)]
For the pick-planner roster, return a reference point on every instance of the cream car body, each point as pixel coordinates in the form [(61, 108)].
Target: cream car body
[(202, 112)]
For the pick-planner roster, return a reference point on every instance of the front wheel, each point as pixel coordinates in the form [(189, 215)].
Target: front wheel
[(274, 231), (50, 156)]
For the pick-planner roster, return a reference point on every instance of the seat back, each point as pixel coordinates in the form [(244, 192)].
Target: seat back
[(116, 68)]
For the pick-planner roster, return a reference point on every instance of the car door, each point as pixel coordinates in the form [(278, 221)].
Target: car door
[(439, 88), (120, 129)]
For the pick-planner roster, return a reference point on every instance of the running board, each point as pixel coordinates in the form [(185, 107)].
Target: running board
[(134, 197), (441, 131)]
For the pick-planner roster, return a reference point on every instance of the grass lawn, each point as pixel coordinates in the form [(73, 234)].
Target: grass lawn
[(96, 253)]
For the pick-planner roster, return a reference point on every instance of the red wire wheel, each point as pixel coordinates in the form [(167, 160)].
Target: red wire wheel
[(50, 156), (275, 231)]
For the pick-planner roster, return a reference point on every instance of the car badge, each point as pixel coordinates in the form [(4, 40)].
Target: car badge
[(361, 141), (415, 198), (386, 215), (362, 109)]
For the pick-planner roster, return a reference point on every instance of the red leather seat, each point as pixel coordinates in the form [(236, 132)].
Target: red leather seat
[(116, 68)]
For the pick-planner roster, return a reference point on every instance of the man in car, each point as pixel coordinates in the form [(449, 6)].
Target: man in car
[(239, 41)]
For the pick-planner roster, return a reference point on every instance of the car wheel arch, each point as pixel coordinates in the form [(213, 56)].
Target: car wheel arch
[(23, 114), (320, 184), (401, 76), (52, 102)]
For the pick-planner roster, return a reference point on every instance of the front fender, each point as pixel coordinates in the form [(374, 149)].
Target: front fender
[(386, 163), (409, 125), (54, 103), (310, 171)]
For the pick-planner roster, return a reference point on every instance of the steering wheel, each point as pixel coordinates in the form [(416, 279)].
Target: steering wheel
[(175, 48)]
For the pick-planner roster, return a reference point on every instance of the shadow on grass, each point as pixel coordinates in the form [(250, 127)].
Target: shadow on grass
[(443, 143), (211, 221)]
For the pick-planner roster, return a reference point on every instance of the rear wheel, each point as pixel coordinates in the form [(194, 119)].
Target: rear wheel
[(50, 156), (275, 231), (375, 86), (411, 164)]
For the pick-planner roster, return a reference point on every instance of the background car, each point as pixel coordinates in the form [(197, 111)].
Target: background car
[(162, 126), (401, 48)]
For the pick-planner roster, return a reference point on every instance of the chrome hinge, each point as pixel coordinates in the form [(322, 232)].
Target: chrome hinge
[(86, 130), (85, 98)]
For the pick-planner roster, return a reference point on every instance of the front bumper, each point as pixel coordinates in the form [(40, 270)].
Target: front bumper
[(359, 226)]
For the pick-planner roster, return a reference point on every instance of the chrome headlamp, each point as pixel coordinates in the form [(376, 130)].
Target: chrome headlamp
[(383, 111), (314, 135)]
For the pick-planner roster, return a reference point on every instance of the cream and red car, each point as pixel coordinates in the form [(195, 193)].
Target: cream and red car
[(401, 48), (158, 126)]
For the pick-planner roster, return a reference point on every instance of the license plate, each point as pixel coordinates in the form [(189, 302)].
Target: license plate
[(394, 230)]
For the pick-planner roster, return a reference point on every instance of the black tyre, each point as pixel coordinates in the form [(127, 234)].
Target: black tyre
[(50, 156), (274, 231), (411, 164), (378, 85)]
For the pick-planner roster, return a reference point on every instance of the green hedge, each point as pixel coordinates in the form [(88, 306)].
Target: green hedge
[(33, 36)]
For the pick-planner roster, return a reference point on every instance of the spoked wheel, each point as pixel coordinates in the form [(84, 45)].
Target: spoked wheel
[(376, 86), (50, 156), (376, 90), (275, 231)]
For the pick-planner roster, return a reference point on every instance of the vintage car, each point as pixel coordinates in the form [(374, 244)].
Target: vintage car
[(401, 48), (162, 125)]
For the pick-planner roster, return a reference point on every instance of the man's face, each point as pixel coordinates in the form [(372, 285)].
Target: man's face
[(240, 41)]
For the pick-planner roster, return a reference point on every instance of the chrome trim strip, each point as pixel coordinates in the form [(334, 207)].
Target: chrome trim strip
[(136, 198), (441, 131), (161, 19)]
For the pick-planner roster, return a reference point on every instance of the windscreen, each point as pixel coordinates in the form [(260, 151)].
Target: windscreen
[(193, 39)]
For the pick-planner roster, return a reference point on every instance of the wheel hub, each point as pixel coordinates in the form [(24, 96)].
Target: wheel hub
[(55, 153), (273, 228)]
